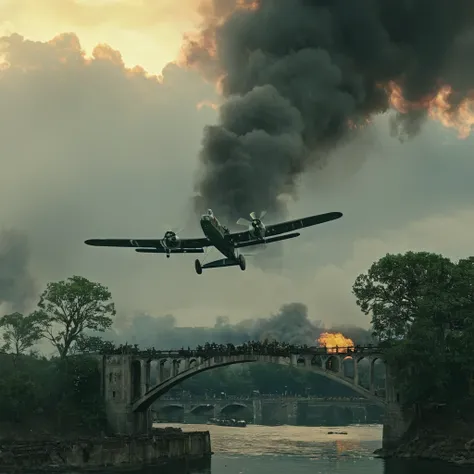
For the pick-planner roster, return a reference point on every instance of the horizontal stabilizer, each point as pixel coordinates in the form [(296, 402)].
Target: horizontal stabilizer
[(225, 262), (169, 251), (249, 243)]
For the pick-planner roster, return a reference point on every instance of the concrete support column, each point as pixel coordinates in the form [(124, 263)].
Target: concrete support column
[(257, 412), (142, 422), (356, 371), (143, 373), (174, 368), (396, 423), (341, 365), (371, 376), (161, 370), (147, 375), (292, 412)]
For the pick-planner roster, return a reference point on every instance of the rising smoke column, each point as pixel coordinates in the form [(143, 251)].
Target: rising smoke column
[(300, 76), (17, 286)]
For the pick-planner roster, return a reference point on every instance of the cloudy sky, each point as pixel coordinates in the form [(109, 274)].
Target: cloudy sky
[(106, 145)]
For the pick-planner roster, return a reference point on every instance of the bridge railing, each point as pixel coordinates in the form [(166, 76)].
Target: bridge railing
[(185, 399), (245, 350)]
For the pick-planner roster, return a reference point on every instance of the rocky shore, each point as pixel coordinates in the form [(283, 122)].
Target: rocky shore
[(448, 449), (441, 433)]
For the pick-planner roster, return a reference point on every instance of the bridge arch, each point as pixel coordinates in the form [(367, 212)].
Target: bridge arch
[(214, 362), (234, 405), (173, 406), (201, 409), (236, 408), (173, 412)]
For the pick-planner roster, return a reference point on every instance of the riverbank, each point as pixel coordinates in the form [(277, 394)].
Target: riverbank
[(443, 448), (162, 447), (441, 433)]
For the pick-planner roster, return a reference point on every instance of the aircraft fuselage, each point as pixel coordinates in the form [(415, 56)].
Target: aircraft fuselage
[(216, 233)]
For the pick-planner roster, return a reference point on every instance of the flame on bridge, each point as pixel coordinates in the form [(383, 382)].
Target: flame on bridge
[(331, 340)]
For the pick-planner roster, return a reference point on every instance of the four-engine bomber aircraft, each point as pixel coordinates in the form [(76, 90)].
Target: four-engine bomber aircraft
[(221, 238)]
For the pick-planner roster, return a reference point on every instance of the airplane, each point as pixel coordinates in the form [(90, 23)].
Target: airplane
[(219, 236)]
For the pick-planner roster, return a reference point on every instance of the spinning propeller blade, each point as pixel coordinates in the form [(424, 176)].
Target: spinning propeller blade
[(253, 216)]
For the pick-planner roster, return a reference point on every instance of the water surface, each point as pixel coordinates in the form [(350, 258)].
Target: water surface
[(305, 450)]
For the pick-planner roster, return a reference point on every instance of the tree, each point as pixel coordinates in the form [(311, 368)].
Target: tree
[(398, 287), (70, 307), (423, 303), (21, 332)]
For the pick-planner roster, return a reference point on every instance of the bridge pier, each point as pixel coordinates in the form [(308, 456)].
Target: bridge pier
[(124, 380), (257, 412), (397, 420)]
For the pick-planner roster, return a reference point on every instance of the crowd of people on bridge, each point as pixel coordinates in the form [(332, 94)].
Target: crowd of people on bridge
[(211, 349)]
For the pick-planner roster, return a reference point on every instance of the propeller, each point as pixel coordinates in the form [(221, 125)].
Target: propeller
[(175, 230), (253, 216)]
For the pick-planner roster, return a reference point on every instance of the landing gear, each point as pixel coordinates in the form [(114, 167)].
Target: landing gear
[(198, 266), (242, 263)]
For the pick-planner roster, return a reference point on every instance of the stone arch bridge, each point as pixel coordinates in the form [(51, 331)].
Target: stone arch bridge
[(129, 393), (266, 409)]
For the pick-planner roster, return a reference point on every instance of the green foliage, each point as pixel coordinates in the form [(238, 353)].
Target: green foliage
[(20, 332), (397, 287), (423, 304), (68, 308), (60, 395)]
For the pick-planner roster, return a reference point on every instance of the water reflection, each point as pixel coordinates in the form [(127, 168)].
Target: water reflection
[(306, 450)]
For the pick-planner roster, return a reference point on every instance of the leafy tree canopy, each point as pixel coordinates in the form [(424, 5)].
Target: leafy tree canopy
[(70, 307), (20, 332), (424, 304)]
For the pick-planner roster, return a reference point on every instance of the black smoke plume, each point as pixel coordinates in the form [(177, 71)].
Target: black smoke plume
[(17, 286), (300, 75), (290, 324)]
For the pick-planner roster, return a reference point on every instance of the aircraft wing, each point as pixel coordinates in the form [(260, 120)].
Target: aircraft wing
[(148, 243), (288, 226)]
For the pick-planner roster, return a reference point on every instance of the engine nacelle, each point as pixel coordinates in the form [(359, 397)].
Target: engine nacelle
[(170, 240), (257, 229)]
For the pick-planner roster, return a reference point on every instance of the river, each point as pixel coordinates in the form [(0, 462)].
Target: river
[(305, 450)]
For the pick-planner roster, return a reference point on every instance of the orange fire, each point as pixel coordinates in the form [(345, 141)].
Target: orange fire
[(331, 340), (438, 108)]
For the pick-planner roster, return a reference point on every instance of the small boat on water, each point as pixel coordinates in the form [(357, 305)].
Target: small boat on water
[(227, 422)]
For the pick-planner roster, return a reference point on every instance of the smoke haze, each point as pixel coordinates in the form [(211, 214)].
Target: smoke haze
[(94, 148), (17, 286), (300, 77), (290, 324)]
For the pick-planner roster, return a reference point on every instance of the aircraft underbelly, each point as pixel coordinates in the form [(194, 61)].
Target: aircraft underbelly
[(217, 239)]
